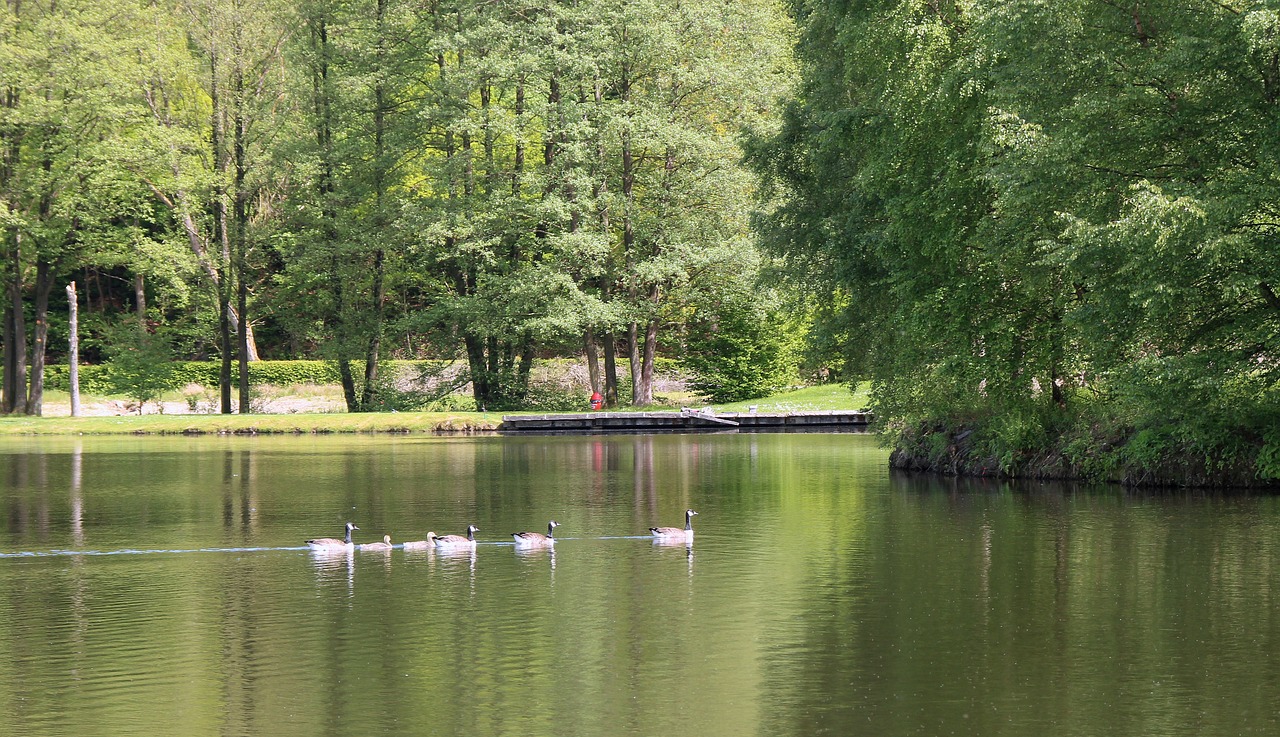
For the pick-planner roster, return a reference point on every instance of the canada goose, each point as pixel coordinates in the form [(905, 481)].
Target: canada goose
[(333, 543), (427, 544), (536, 539), (676, 532), (382, 547), (458, 541)]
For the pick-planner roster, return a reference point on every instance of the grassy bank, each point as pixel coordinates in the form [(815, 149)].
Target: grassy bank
[(1088, 448), (372, 422), (827, 397)]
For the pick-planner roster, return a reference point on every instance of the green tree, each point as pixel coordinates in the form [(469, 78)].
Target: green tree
[(65, 100), (140, 364), (681, 94), (742, 347), (360, 64), (1029, 211)]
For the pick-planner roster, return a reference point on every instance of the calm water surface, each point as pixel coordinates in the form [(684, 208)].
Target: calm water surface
[(160, 587)]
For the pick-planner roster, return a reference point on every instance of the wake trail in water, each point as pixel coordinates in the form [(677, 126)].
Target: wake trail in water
[(260, 549)]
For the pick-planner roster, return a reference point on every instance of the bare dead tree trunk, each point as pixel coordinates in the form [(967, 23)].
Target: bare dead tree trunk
[(140, 299), (73, 341)]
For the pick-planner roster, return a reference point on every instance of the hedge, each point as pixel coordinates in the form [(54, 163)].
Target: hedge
[(95, 378)]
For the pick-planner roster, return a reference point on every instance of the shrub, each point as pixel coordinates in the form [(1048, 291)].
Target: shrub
[(739, 350), (139, 367)]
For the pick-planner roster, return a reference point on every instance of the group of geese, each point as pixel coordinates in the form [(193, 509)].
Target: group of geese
[(526, 540)]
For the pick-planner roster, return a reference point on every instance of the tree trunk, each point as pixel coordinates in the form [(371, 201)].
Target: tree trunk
[(242, 340), (593, 360), (375, 340), (44, 285), (633, 358), (9, 385), (610, 369), (73, 342), (628, 251), (240, 228), (481, 388), (221, 274), (348, 385), (378, 297), (224, 345), (645, 390), (196, 243), (18, 402)]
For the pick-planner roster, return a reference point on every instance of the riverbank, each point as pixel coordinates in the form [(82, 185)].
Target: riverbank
[(1089, 453), (292, 424)]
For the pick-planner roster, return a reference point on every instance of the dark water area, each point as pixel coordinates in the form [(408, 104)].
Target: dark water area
[(161, 586)]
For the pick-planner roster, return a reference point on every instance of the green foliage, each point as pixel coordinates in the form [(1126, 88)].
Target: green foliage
[(1017, 205), (547, 396), (451, 403), (94, 379), (139, 367), (457, 179), (739, 350)]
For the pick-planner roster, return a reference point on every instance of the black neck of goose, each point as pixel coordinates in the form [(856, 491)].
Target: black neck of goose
[(551, 530), (471, 534), (688, 522), (348, 538)]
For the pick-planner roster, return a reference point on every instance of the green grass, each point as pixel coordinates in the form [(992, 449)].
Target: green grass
[(371, 422), (807, 399), (814, 398)]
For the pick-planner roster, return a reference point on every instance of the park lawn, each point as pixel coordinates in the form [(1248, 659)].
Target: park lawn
[(805, 399), (325, 422), (813, 398)]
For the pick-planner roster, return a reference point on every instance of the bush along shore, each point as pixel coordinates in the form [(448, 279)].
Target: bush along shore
[(1090, 452)]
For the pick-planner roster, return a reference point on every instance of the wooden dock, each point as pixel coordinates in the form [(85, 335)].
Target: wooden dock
[(685, 420)]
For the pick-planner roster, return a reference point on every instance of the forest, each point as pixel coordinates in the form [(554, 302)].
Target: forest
[(1046, 230), (360, 180)]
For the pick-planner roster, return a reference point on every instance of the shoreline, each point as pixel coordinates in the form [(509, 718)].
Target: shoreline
[(433, 423)]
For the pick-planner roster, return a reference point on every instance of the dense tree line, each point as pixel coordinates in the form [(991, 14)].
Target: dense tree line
[(1050, 228), (357, 179)]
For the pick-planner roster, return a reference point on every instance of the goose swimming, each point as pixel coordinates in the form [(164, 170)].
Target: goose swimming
[(458, 541), (382, 547), (675, 533), (427, 544), (536, 539), (333, 543)]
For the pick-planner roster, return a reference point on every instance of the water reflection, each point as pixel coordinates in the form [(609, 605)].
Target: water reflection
[(77, 495), (539, 553), (455, 561), (676, 543), (881, 604), (421, 555), (239, 505), (335, 565)]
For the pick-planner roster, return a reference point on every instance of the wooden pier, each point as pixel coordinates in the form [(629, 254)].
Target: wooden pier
[(685, 420)]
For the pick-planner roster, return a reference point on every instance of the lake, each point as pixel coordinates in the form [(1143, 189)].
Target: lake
[(159, 586)]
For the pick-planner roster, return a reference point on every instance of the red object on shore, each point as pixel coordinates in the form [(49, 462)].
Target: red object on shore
[(597, 401)]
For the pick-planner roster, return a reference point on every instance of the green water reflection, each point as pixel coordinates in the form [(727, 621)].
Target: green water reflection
[(160, 586)]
